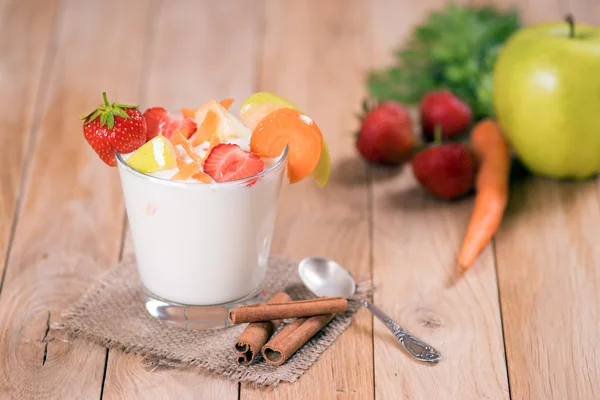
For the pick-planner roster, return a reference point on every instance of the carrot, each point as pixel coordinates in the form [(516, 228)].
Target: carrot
[(214, 142), (188, 112), (178, 138), (226, 103), (186, 170), (491, 185), (207, 128)]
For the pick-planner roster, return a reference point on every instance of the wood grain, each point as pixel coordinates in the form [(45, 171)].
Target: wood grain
[(199, 51), (70, 222), (549, 278), (57, 57), (547, 252), (314, 53), (21, 69), (416, 240)]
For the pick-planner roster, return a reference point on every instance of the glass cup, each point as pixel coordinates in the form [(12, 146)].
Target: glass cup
[(201, 248)]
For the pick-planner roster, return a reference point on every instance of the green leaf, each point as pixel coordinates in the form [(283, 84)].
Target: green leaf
[(119, 111), (103, 118), (456, 49), (90, 117), (124, 105), (110, 120)]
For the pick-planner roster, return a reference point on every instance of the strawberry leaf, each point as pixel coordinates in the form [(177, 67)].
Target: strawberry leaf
[(90, 117), (110, 120), (119, 105), (119, 111), (103, 119)]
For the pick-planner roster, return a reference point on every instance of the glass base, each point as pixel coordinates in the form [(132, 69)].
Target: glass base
[(195, 317)]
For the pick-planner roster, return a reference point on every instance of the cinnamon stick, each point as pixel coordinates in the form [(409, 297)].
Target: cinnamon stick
[(256, 334), (292, 337), (293, 309)]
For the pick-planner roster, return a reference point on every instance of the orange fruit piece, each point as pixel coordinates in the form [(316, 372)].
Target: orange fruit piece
[(206, 129), (202, 177), (214, 141), (226, 103), (186, 171), (179, 139), (298, 131), (188, 112)]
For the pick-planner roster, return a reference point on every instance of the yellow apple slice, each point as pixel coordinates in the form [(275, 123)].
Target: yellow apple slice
[(155, 155), (323, 169), (259, 105)]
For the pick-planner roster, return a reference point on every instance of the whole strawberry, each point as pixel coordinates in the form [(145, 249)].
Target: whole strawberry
[(114, 127), (446, 170), (386, 135), (445, 110)]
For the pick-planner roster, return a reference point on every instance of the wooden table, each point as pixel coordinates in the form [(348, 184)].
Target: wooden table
[(523, 324)]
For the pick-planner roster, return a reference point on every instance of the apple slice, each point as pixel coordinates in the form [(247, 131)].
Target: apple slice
[(323, 169), (287, 127), (155, 155), (259, 105)]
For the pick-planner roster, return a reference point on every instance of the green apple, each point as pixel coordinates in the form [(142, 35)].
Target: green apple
[(547, 98), (156, 155)]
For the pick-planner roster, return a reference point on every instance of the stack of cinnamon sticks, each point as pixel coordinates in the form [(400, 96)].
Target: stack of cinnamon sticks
[(311, 316)]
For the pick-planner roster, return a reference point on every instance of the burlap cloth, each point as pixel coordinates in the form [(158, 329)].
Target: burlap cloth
[(113, 315)]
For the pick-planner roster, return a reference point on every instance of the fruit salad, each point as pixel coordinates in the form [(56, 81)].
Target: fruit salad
[(210, 144), (201, 188)]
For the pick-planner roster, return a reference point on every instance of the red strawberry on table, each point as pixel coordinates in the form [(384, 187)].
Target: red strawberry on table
[(443, 109), (114, 127), (445, 170), (229, 162), (158, 121), (386, 134)]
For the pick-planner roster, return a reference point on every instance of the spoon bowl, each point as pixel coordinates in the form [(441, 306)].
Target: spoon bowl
[(325, 277)]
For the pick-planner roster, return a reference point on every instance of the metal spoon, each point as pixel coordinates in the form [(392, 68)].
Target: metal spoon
[(325, 277)]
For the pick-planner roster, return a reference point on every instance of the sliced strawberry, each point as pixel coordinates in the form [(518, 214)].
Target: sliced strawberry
[(228, 162), (158, 121)]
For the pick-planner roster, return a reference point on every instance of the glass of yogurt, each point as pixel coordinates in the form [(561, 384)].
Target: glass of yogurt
[(201, 248)]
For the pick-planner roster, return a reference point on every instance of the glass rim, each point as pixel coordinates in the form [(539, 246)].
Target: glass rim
[(272, 168)]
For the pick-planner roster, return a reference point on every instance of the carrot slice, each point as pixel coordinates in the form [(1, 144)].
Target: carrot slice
[(226, 103), (186, 171), (202, 177), (179, 139), (303, 137), (214, 141), (206, 129), (188, 112)]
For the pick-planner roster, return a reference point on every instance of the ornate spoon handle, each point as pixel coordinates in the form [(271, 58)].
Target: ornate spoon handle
[(415, 346)]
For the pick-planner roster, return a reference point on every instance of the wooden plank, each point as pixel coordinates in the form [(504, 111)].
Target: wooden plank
[(200, 51), (314, 53), (548, 254), (127, 376), (70, 223), (416, 240), (584, 11), (21, 69)]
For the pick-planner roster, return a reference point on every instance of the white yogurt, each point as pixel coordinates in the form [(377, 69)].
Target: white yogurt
[(201, 244)]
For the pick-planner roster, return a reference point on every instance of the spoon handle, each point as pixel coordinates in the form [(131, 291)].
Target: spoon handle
[(416, 347)]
